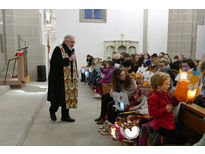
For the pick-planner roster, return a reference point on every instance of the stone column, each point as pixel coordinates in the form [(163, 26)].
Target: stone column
[(145, 31), (182, 31)]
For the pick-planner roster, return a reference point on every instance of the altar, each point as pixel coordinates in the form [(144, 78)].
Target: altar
[(119, 46)]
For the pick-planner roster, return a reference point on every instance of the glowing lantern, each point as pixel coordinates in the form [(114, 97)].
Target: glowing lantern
[(133, 133), (121, 129), (115, 132), (191, 94), (183, 76), (187, 87), (130, 130), (181, 91)]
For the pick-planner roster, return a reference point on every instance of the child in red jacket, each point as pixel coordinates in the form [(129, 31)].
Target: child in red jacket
[(160, 105)]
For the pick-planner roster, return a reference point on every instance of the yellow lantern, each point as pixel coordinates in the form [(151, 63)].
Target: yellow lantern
[(191, 94)]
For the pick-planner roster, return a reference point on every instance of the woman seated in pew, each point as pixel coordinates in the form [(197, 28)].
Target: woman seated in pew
[(128, 66), (106, 77), (200, 100), (121, 81), (160, 105)]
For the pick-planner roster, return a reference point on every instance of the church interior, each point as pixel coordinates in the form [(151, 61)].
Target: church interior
[(29, 37)]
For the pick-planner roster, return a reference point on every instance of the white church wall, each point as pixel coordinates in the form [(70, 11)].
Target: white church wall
[(200, 45), (157, 30), (90, 36)]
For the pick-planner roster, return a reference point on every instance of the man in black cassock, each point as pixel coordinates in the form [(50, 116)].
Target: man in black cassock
[(63, 80)]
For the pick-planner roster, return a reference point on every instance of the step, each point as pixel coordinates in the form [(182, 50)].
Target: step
[(3, 89)]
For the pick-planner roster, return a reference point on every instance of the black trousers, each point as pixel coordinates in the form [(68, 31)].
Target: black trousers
[(83, 77), (111, 113), (64, 112), (172, 136), (104, 101)]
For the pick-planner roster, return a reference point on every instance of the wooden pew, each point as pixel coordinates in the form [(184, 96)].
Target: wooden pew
[(106, 87), (193, 118)]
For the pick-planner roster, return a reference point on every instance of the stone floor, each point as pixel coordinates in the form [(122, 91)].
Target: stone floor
[(19, 108), (83, 132), (25, 119)]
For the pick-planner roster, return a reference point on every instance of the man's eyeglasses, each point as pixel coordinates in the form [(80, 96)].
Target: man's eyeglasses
[(71, 41)]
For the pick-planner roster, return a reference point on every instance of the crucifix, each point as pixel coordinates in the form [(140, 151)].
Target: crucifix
[(122, 35)]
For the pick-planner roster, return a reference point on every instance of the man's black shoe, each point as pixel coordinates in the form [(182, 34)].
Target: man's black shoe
[(69, 119), (53, 116)]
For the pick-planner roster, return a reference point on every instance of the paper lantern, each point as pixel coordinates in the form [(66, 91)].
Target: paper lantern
[(187, 87), (121, 129), (131, 133), (129, 130), (115, 132), (191, 94), (181, 91)]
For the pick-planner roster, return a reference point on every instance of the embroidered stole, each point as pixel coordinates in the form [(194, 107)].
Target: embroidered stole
[(71, 87)]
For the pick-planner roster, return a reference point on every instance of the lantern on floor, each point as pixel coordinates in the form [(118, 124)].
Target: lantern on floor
[(131, 130), (115, 132)]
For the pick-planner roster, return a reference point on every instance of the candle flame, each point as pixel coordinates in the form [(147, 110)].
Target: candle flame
[(191, 94), (113, 129)]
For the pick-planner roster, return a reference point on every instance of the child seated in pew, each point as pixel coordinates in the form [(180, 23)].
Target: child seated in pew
[(106, 77), (96, 74), (142, 108), (84, 69), (200, 100), (139, 81), (93, 68), (160, 105)]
